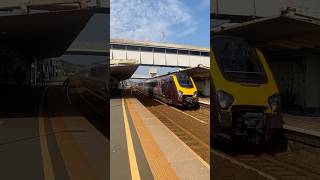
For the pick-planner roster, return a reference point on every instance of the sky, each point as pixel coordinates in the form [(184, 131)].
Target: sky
[(174, 21)]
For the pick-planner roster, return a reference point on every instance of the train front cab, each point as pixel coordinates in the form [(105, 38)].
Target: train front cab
[(183, 90), (246, 100)]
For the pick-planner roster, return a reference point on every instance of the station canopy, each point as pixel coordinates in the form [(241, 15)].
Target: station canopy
[(197, 72), (42, 35), (122, 72), (278, 34)]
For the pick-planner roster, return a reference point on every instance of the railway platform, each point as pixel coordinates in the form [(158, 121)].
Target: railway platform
[(302, 124), (204, 100), (141, 147), (44, 131)]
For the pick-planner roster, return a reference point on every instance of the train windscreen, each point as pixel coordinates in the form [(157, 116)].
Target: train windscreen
[(184, 80), (238, 60)]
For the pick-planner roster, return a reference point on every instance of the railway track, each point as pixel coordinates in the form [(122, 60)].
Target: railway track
[(294, 157), (93, 108), (276, 168), (285, 160), (203, 113), (192, 132)]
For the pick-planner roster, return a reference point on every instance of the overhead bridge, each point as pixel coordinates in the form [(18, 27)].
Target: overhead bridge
[(52, 5), (159, 54)]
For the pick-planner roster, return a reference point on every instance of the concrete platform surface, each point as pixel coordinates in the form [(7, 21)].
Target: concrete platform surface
[(303, 124), (204, 100), (165, 155), (164, 151)]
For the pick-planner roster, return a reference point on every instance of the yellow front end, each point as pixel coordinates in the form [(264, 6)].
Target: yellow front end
[(186, 91), (250, 115), (245, 93), (187, 96)]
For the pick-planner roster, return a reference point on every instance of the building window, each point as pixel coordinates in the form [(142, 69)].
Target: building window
[(195, 53), (147, 49), (205, 54), (183, 52), (117, 46), (171, 51), (133, 48), (159, 50)]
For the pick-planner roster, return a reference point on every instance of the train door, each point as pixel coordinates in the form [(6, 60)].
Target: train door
[(162, 88), (171, 89), (158, 91)]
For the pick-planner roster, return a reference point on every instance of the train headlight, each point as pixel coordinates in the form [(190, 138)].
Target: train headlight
[(195, 94), (225, 100), (180, 96), (274, 102)]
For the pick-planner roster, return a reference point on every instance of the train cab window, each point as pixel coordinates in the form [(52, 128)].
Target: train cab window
[(237, 60), (184, 80)]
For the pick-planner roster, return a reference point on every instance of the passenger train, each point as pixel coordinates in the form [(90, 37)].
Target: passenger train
[(245, 101), (176, 88)]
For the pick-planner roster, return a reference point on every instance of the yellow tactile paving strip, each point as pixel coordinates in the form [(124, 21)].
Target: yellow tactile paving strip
[(159, 165), (77, 166), (46, 158), (131, 153)]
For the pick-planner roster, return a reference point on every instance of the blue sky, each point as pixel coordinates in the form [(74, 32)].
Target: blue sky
[(174, 21), (200, 12)]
